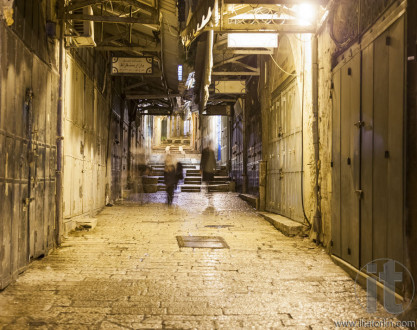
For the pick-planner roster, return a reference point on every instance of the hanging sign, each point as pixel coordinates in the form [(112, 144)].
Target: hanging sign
[(230, 87), (131, 65), (218, 110)]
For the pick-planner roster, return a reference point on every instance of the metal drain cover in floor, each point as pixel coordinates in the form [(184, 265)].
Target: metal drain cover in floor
[(210, 242), (219, 226)]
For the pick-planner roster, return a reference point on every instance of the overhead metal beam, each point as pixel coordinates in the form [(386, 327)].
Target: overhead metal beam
[(147, 76), (143, 36), (128, 48), (151, 96), (230, 51), (84, 3), (155, 112), (142, 6), (112, 19), (140, 84), (230, 60), (223, 100), (81, 4), (232, 73), (115, 37), (272, 2), (243, 65), (263, 27)]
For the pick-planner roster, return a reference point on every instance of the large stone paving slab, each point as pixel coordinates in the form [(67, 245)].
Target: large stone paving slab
[(130, 273)]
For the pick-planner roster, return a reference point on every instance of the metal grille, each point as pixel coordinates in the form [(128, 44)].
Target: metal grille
[(201, 242)]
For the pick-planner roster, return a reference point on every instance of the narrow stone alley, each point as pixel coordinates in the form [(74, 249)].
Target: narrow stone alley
[(130, 273)]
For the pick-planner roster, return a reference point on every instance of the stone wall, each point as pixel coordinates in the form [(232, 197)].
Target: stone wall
[(326, 48)]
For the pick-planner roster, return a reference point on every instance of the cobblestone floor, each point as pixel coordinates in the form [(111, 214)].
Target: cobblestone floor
[(130, 273)]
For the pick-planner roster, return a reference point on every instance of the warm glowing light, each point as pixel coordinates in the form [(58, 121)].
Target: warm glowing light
[(252, 40), (306, 13)]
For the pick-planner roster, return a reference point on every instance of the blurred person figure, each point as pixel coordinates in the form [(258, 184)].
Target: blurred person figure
[(170, 178), (208, 164), (179, 173), (142, 170)]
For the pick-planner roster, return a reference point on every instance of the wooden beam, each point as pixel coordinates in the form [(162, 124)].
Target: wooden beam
[(232, 73), (112, 19), (151, 96)]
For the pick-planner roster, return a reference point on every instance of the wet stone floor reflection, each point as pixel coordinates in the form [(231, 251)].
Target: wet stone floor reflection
[(130, 273)]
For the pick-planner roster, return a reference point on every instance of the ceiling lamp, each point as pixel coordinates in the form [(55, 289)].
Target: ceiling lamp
[(252, 40)]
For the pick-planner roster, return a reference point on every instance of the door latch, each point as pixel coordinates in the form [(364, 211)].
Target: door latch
[(27, 201), (360, 124), (359, 193)]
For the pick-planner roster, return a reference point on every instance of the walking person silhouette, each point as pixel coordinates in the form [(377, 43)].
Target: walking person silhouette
[(208, 166), (170, 178)]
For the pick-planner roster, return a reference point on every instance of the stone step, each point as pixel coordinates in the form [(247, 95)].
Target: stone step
[(190, 188), (220, 173), (285, 225), (192, 180), (158, 173), (219, 188), (223, 179), (193, 172), (184, 166), (216, 173)]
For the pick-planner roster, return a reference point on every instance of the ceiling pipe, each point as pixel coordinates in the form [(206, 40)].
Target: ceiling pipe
[(208, 67)]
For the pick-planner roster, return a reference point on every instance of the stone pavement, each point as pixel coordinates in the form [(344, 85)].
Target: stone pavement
[(129, 273)]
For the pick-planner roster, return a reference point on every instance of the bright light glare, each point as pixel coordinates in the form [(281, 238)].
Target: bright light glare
[(179, 72), (306, 13), (252, 40)]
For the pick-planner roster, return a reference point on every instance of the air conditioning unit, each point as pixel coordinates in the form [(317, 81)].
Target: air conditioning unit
[(84, 36)]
